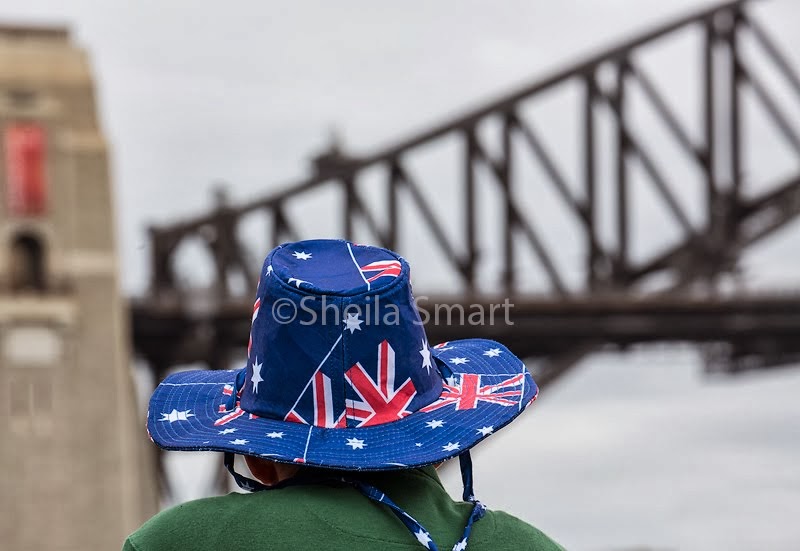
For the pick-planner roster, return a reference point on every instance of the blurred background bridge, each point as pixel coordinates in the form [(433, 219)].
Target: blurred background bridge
[(485, 234)]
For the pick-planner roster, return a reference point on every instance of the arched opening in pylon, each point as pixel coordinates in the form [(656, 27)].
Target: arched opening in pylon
[(28, 266)]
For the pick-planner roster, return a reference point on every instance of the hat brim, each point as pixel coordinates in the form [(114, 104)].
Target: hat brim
[(185, 407)]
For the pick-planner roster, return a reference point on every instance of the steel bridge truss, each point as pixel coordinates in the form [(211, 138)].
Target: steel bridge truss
[(730, 220)]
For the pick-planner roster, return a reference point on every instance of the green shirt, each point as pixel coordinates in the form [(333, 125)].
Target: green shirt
[(333, 518)]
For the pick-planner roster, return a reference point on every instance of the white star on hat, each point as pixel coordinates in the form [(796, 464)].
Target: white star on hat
[(256, 378), (435, 424), (450, 446), (239, 442), (353, 322), (486, 430), (458, 361), (302, 255), (274, 434), (492, 352), (176, 415), (227, 431), (355, 443), (426, 356)]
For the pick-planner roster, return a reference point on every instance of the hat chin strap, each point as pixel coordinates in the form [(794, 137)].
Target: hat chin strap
[(244, 482), (373, 493)]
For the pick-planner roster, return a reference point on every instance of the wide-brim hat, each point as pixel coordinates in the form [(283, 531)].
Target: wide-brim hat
[(340, 373)]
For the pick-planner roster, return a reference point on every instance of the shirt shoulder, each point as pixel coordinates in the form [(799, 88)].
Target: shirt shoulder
[(287, 518), (512, 533), (191, 525)]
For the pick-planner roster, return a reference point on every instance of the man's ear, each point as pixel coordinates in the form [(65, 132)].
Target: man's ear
[(265, 471)]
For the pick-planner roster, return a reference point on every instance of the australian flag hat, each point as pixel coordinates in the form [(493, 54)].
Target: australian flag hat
[(340, 373)]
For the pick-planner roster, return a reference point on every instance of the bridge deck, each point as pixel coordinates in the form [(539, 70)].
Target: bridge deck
[(167, 334)]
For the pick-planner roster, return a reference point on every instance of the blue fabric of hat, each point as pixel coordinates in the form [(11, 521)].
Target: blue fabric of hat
[(340, 373)]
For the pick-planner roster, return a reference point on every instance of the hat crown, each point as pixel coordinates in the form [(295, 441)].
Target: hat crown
[(336, 340)]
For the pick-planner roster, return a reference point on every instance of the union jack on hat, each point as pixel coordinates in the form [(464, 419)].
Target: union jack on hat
[(340, 373)]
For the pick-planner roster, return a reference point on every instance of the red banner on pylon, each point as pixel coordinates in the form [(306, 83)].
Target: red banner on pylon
[(26, 156)]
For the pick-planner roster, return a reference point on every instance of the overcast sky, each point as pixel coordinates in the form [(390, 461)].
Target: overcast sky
[(637, 449)]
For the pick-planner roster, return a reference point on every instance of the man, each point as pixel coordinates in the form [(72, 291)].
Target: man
[(341, 413)]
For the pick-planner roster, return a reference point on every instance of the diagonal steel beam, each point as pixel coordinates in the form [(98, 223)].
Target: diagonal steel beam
[(524, 225), (430, 219), (764, 216), (632, 144), (775, 113), (780, 60), (759, 218), (666, 114)]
